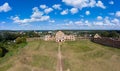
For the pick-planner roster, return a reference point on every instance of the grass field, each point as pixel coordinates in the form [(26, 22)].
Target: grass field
[(82, 55)]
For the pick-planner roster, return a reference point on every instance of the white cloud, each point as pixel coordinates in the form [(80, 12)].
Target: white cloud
[(87, 23), (100, 23), (3, 22), (78, 3), (92, 3), (5, 7), (29, 20), (107, 21), (57, 6), (104, 22), (111, 2), (36, 13), (117, 14), (48, 10), (74, 10), (87, 12), (52, 21), (99, 18), (43, 6), (100, 4), (79, 22), (64, 12), (82, 23), (69, 23), (115, 21), (37, 16), (84, 3)]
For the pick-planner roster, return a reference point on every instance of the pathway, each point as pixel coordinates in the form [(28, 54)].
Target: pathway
[(59, 61)]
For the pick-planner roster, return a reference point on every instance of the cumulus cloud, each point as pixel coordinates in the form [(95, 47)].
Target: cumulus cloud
[(57, 6), (36, 13), (69, 23), (100, 4), (82, 23), (5, 7), (87, 12), (43, 6), (104, 22), (111, 2), (107, 21), (74, 10), (115, 21), (117, 14), (64, 12), (99, 18), (48, 10), (35, 17), (84, 3)]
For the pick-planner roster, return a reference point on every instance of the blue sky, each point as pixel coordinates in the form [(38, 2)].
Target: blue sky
[(59, 14)]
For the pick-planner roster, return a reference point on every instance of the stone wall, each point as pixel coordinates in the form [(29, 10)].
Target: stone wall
[(34, 38), (107, 41)]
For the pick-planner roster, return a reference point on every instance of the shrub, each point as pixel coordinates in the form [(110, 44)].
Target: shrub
[(0, 52), (20, 40)]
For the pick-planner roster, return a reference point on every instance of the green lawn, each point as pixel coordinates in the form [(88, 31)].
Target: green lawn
[(85, 55), (82, 55)]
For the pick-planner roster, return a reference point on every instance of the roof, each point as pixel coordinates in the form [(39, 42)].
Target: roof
[(97, 36)]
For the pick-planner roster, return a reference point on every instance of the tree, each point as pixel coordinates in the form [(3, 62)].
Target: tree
[(20, 40), (114, 34), (105, 34)]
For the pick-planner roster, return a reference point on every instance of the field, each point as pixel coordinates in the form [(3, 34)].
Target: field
[(82, 55)]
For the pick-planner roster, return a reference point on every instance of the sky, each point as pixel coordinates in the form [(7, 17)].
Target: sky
[(59, 14)]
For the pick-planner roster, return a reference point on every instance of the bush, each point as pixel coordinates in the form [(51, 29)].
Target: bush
[(20, 40), (1, 52)]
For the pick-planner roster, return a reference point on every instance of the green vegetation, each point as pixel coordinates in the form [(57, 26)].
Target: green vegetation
[(84, 55), (80, 55), (13, 50), (20, 40), (37, 55)]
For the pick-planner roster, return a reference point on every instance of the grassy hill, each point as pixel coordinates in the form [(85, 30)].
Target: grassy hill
[(82, 55)]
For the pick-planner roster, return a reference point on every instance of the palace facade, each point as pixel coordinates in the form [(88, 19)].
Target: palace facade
[(60, 37)]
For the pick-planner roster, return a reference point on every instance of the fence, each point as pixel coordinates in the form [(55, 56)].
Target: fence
[(107, 41)]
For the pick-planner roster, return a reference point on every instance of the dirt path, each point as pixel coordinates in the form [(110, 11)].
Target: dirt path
[(59, 61)]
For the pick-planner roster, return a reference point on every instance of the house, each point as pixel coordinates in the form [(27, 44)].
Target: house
[(97, 36)]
